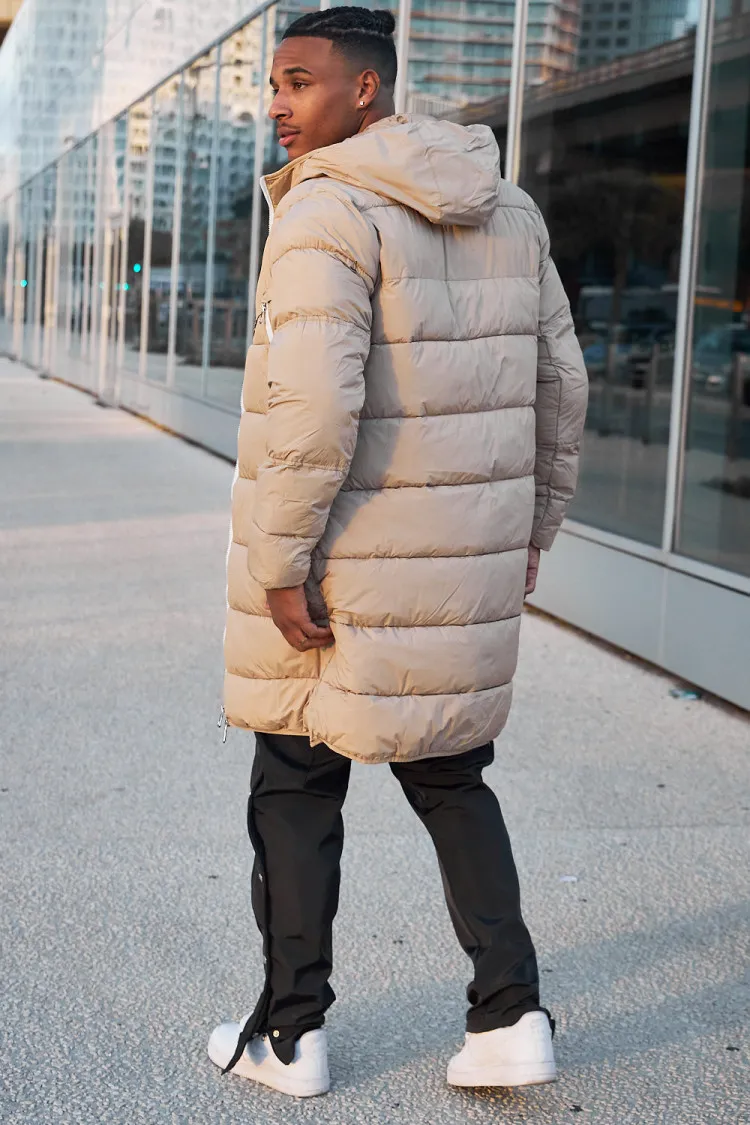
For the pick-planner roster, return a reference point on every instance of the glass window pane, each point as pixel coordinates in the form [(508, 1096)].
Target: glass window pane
[(604, 155), (7, 273), (85, 263), (140, 181), (114, 137), (460, 53), (34, 270), (66, 227), (715, 517), (84, 207), (289, 10), (241, 87), (166, 141), (198, 119), (50, 274)]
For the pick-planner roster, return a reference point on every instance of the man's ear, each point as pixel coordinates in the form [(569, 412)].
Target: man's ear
[(369, 87)]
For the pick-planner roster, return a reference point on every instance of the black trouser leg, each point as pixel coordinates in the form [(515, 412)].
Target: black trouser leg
[(296, 828), (463, 818)]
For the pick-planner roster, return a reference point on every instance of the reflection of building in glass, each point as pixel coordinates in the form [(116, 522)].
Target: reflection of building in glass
[(235, 151), (59, 65), (612, 28), (71, 65), (462, 52)]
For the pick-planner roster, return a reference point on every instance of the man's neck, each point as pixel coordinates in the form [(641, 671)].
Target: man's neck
[(377, 113)]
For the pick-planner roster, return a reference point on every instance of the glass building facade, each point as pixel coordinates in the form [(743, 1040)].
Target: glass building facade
[(132, 138)]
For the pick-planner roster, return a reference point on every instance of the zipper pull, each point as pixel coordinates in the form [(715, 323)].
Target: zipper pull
[(223, 725)]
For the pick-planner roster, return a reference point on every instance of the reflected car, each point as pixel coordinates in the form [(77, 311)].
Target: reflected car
[(643, 339), (634, 352), (595, 358), (714, 359)]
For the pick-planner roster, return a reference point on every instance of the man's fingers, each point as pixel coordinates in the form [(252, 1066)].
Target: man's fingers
[(312, 636), (532, 569), (291, 616), (308, 645), (299, 636), (314, 632)]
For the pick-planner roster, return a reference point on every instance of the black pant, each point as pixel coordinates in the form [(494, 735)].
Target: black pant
[(297, 831)]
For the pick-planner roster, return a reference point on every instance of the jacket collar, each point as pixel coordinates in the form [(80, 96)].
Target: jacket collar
[(278, 184)]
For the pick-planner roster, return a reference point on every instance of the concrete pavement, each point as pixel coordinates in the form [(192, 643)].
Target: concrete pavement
[(125, 922)]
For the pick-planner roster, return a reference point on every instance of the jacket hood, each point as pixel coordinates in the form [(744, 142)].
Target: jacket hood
[(446, 172)]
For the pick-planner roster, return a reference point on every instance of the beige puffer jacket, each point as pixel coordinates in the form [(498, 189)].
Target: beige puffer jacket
[(413, 370)]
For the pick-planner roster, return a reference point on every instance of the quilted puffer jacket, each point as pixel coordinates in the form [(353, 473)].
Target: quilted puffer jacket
[(413, 405)]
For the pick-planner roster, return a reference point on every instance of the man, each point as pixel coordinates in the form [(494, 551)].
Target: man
[(412, 410)]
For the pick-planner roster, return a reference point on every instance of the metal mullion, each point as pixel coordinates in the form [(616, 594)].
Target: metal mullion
[(85, 304), (213, 187), (96, 269), (260, 135), (515, 98), (6, 207), (123, 274), (148, 238), (37, 211), (77, 267), (22, 263), (105, 309), (52, 283), (402, 50), (49, 283), (49, 287), (19, 299), (10, 261), (114, 304), (174, 276), (688, 273), (72, 251)]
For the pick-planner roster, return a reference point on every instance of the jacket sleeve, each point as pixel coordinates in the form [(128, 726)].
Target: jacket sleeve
[(561, 399), (324, 260)]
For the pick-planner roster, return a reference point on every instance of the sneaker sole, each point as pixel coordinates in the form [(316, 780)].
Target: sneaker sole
[(294, 1087), (519, 1075)]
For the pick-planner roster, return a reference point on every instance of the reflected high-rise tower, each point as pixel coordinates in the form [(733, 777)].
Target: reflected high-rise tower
[(60, 60), (462, 52), (611, 29)]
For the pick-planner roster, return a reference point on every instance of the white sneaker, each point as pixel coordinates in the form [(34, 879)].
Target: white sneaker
[(305, 1077), (520, 1055)]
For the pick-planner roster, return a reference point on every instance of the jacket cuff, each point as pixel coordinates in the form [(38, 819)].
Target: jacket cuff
[(278, 562), (544, 538)]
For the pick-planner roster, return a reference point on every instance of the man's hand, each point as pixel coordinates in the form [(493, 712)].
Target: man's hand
[(532, 569), (291, 617)]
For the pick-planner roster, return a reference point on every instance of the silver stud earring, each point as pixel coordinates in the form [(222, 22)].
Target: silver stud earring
[(362, 104)]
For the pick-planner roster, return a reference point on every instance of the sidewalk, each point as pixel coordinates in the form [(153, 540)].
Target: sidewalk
[(125, 920)]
